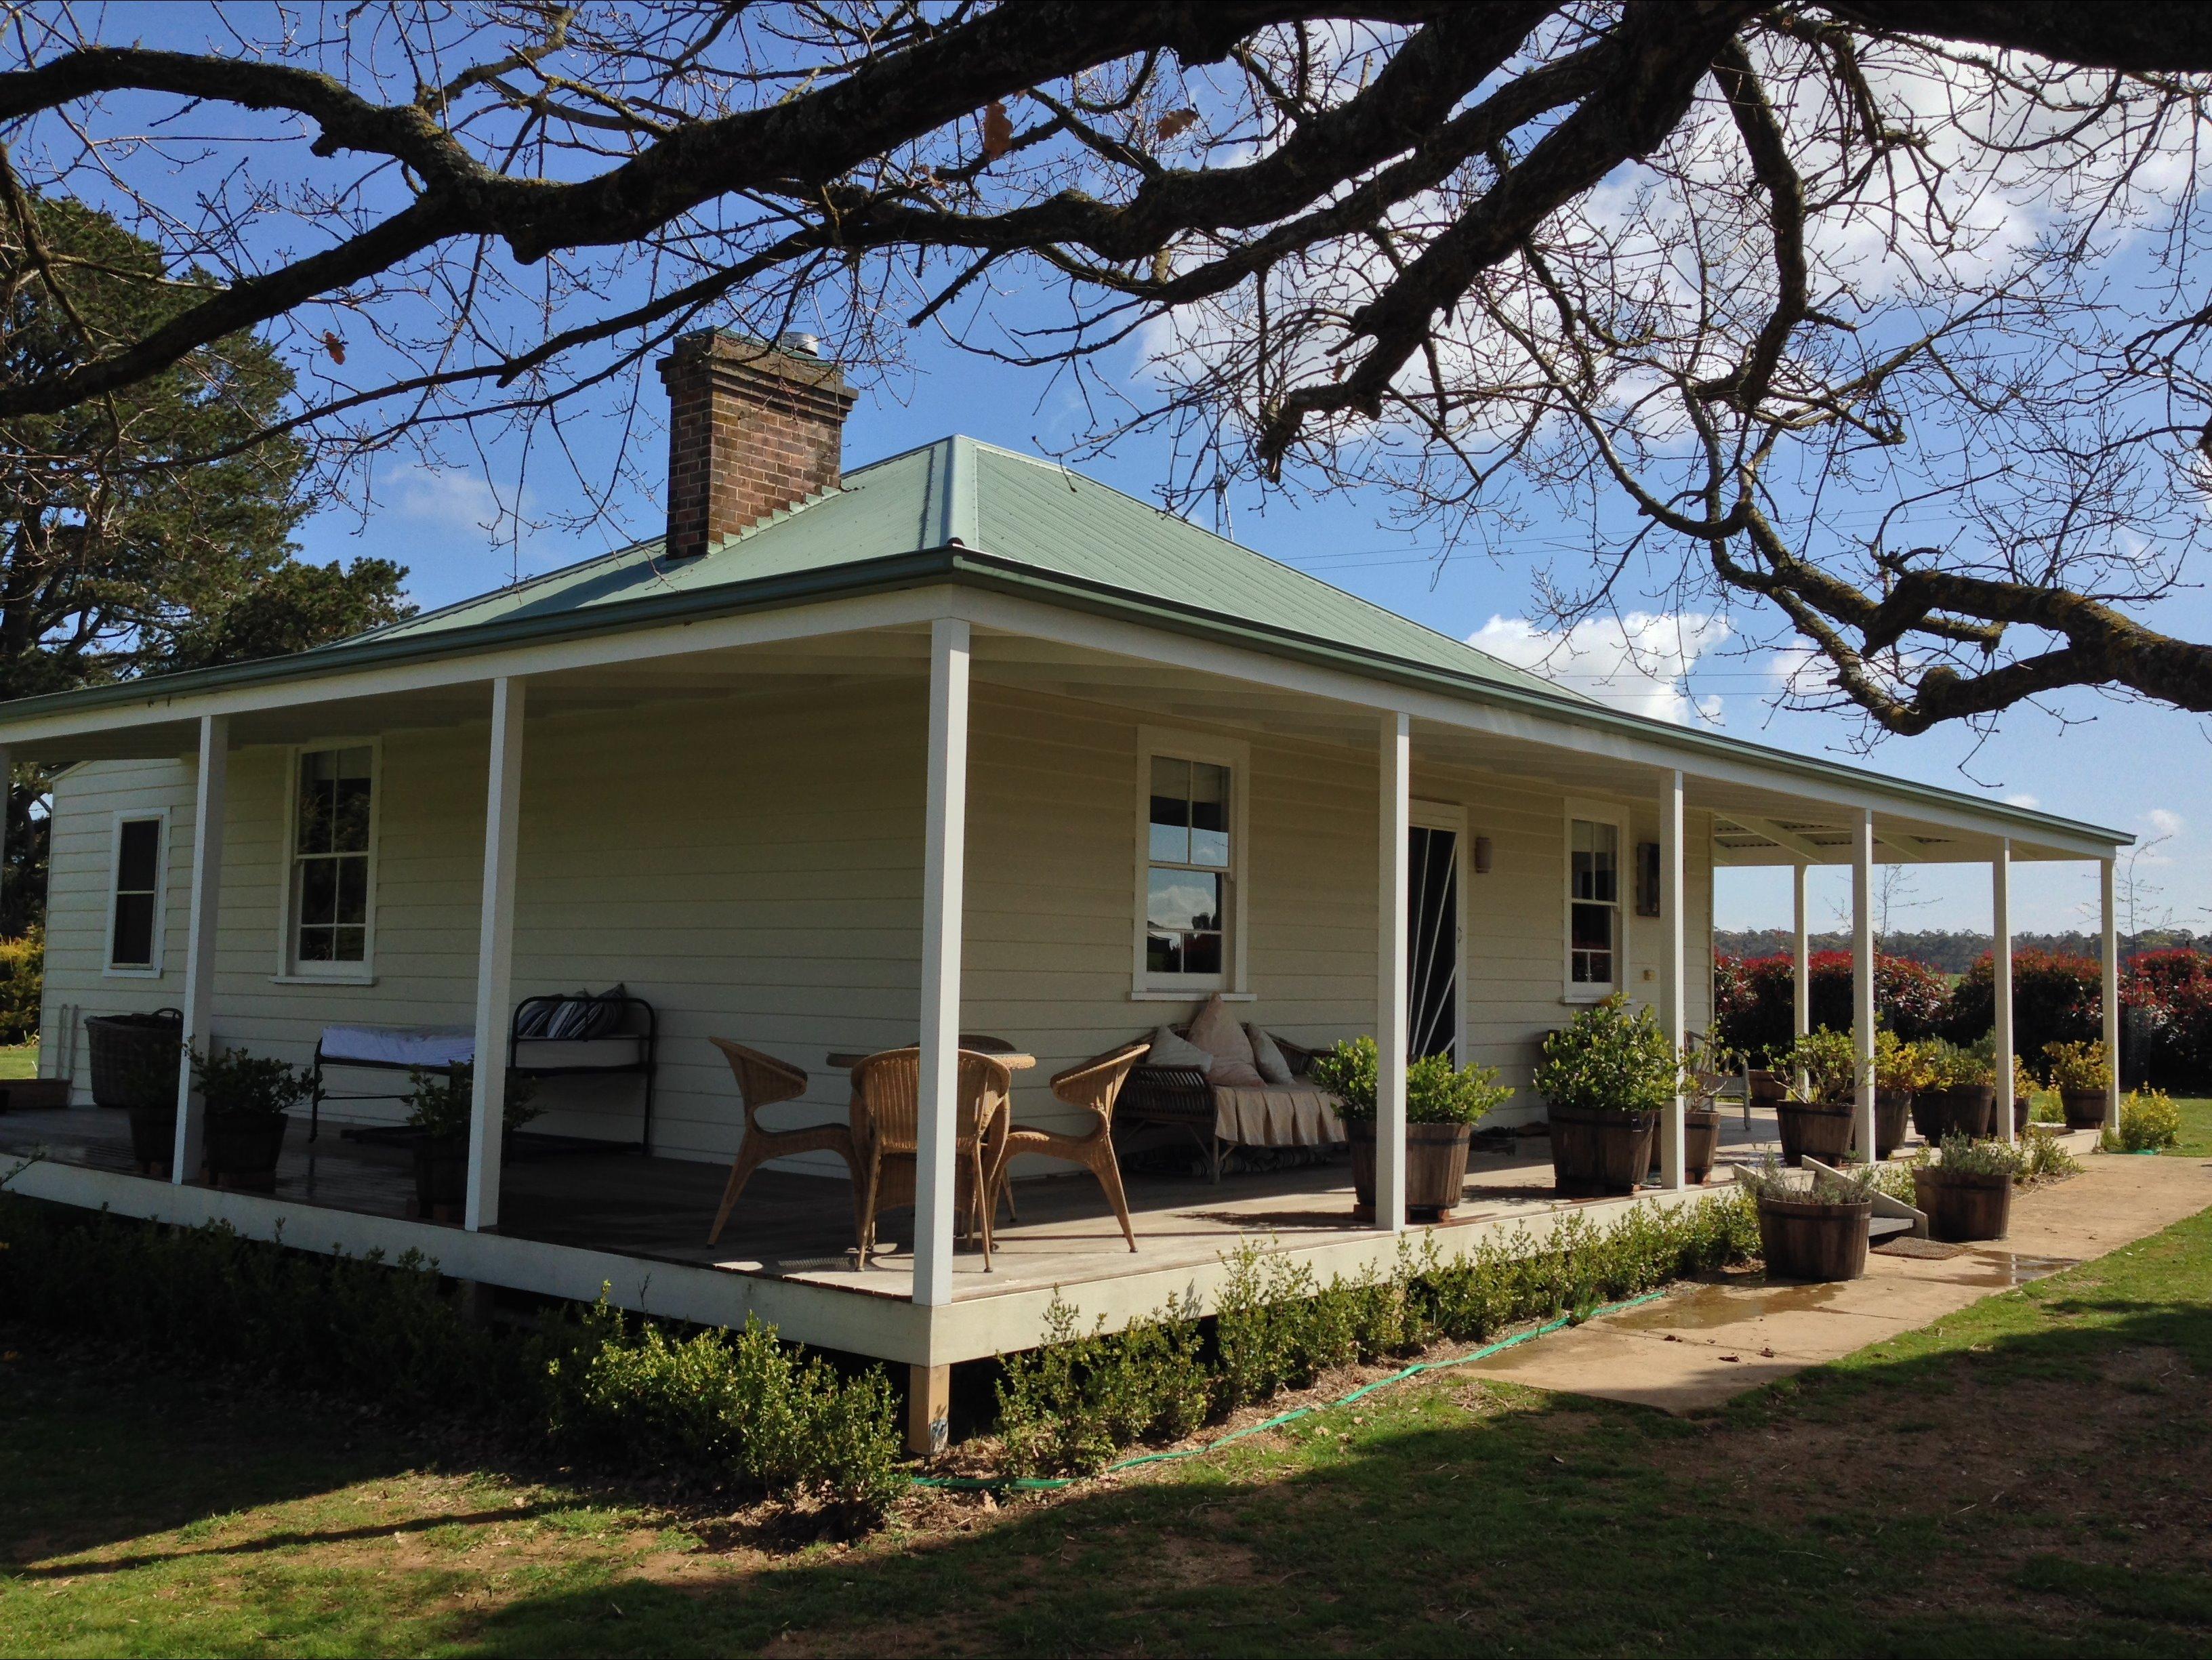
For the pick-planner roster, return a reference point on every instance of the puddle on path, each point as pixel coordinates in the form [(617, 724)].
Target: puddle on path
[(2001, 1269), (1703, 1308)]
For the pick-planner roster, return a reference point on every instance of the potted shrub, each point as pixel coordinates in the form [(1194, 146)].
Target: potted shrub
[(246, 1098), (1812, 1230), (1443, 1103), (1604, 1079), (1960, 1095), (1966, 1191), (438, 1106), (1815, 1118), (2080, 1073), (1900, 1071)]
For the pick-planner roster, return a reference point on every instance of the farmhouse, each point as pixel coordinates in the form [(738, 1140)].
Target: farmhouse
[(957, 752)]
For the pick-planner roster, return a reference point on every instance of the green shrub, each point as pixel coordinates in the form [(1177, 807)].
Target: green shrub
[(2080, 1067), (1772, 1179), (1610, 1059), (1436, 1092), (22, 984), (2042, 1158), (1830, 1063), (441, 1103), (738, 1409), (1978, 1157), (2150, 1121), (1070, 1405), (237, 1085), (1955, 1067)]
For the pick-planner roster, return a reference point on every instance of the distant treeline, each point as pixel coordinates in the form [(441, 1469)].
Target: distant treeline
[(1953, 952)]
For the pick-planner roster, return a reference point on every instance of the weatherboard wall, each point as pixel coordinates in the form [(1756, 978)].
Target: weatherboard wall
[(752, 867)]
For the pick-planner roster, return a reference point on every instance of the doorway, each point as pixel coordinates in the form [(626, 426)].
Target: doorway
[(1435, 932)]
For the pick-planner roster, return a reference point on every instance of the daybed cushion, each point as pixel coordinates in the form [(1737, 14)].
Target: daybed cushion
[(1268, 1056), (399, 1045), (1216, 1032), (583, 1054), (1274, 1116), (1169, 1049), (579, 1019)]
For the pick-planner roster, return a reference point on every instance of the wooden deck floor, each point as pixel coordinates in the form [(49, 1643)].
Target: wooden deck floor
[(801, 1227)]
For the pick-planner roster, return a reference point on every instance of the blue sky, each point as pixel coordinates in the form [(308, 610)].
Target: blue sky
[(2133, 766)]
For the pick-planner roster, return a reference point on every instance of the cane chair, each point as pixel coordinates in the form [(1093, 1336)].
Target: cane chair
[(1093, 1086), (886, 1126), (764, 1081)]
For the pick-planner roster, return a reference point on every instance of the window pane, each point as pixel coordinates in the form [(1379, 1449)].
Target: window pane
[(315, 944), (353, 889), (1202, 954), (1590, 944), (349, 944), (316, 803), (1183, 900), (1595, 854), (1162, 953), (319, 891), (1170, 809), (135, 854), (349, 815), (133, 946), (1209, 815)]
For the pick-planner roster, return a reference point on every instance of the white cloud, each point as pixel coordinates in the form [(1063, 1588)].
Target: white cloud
[(1639, 663), (443, 498), (2164, 821), (2024, 800)]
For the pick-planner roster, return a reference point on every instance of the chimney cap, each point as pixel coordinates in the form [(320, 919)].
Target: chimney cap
[(799, 344)]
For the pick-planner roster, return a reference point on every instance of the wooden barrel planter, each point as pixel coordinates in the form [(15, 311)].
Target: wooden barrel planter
[(1701, 1141), (1960, 1110), (153, 1137), (1814, 1239), (1768, 1088), (1962, 1205), (2084, 1108), (1893, 1114), (1436, 1165), (441, 1177), (1595, 1151), (1822, 1128), (242, 1150)]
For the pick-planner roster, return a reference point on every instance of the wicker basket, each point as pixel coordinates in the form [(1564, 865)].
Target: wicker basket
[(134, 1057)]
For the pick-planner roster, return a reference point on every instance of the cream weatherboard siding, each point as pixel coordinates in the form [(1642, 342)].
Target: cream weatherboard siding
[(752, 867)]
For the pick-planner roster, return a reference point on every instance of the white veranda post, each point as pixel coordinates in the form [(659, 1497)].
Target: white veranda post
[(2112, 955), (199, 944), (1392, 1023), (943, 870), (1863, 1000), (2001, 980), (1800, 1001), (495, 955), (1672, 1171)]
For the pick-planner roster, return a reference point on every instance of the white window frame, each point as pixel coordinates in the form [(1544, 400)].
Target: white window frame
[(1595, 812), (110, 968), (1235, 982), (290, 970)]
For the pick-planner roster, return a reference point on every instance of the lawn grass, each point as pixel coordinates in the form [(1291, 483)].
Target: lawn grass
[(2196, 1127), (19, 1061), (2023, 1477)]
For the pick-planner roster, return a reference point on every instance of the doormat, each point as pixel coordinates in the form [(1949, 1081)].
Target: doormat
[(1933, 1250)]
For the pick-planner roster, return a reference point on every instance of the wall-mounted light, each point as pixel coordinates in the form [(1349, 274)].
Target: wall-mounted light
[(1482, 856)]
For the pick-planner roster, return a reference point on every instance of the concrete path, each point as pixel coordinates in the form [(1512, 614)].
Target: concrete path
[(1702, 1345)]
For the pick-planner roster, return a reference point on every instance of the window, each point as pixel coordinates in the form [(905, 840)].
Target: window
[(1592, 907), (333, 826), (1189, 865), (134, 926)]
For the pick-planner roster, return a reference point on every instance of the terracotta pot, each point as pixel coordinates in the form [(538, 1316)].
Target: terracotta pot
[(153, 1136), (441, 1178), (1960, 1110), (1436, 1165), (1808, 1240), (1701, 1141), (1594, 1151), (2084, 1108), (1962, 1206), (242, 1151), (1893, 1113), (1822, 1128)]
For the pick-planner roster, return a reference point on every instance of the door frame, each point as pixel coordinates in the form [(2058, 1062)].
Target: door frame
[(1452, 816)]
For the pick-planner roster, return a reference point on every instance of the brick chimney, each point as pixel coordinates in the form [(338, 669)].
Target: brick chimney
[(752, 427)]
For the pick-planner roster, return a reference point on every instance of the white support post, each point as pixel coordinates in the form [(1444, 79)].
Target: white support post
[(1801, 995), (1672, 1128), (1393, 1024), (943, 877), (1862, 999), (2001, 980), (7, 800), (199, 945), (2111, 997), (496, 956)]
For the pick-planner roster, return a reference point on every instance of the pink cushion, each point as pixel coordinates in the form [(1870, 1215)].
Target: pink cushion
[(1216, 1032)]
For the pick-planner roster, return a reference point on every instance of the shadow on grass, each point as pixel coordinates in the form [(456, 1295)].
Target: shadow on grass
[(1807, 1519)]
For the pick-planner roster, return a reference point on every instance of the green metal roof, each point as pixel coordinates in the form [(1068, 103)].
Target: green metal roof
[(1027, 512)]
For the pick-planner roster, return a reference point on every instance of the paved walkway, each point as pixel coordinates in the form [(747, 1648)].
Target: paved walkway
[(1704, 1344)]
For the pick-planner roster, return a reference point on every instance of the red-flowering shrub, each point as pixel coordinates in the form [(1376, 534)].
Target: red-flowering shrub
[(2055, 998), (2167, 998), (1753, 998)]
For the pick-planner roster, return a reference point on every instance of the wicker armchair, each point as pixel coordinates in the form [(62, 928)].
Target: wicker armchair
[(1180, 1098), (763, 1080), (886, 1120), (1094, 1085)]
